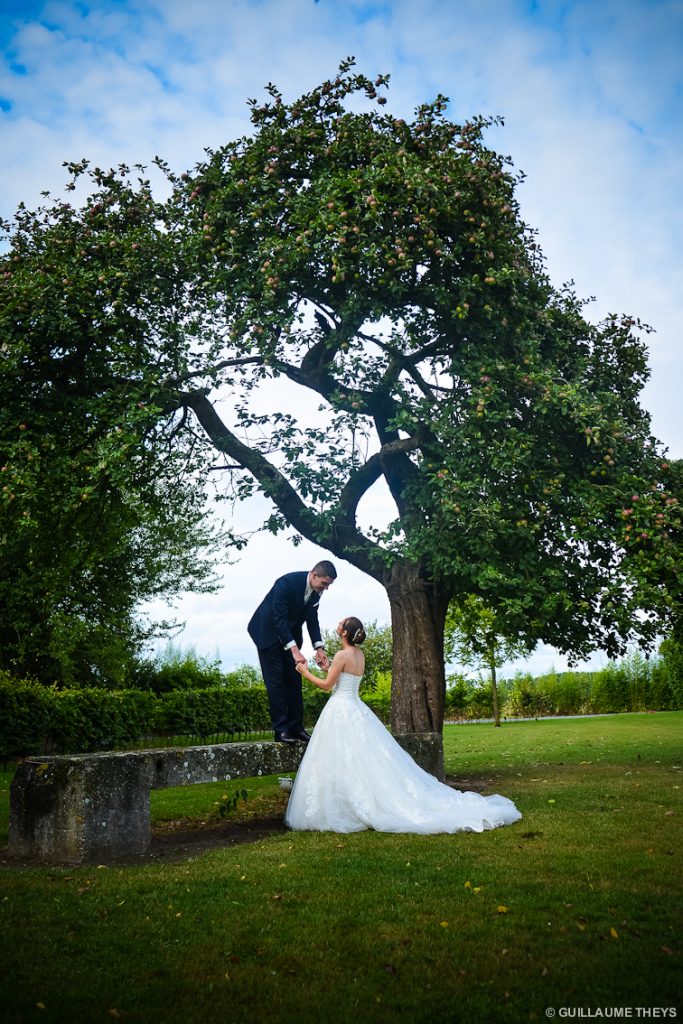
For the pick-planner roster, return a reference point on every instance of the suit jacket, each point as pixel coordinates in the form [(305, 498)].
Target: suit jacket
[(281, 615)]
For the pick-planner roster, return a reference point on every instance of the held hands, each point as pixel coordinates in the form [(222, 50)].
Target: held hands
[(301, 665), (321, 659)]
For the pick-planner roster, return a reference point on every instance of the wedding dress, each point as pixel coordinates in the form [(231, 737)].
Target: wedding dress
[(354, 775)]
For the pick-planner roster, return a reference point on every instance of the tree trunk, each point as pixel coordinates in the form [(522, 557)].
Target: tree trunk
[(494, 690), (418, 690)]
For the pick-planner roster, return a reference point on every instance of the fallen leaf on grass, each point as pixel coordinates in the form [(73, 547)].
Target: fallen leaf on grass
[(444, 924), (502, 909), (666, 949), (614, 933)]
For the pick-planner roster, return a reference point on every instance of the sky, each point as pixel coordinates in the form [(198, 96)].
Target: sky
[(591, 92)]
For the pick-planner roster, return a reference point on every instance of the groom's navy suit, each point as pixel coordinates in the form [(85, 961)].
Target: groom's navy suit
[(278, 621)]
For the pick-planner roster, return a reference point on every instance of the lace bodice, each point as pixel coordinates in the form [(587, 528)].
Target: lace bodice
[(347, 685)]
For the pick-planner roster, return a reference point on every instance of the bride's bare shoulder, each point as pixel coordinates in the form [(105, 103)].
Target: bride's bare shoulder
[(347, 661)]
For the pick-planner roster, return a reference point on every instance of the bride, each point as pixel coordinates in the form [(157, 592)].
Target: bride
[(354, 775)]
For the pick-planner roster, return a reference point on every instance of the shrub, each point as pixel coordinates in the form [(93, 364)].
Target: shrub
[(480, 700), (243, 675), (671, 668), (314, 701), (24, 717), (204, 713), (177, 669), (87, 719), (609, 692), (457, 692), (525, 699), (564, 693), (35, 719), (379, 697)]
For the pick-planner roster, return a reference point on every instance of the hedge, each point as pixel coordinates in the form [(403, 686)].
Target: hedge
[(35, 719), (634, 684)]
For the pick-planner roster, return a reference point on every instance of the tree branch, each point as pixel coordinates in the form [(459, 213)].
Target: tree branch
[(183, 378), (363, 478), (343, 539)]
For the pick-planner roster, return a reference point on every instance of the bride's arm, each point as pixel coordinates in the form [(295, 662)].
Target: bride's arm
[(335, 670)]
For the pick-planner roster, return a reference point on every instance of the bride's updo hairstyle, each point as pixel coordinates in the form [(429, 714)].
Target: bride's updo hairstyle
[(355, 634)]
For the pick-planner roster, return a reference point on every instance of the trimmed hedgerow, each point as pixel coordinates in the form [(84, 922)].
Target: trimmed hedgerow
[(35, 719)]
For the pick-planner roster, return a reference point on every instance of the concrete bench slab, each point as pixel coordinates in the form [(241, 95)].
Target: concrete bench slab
[(87, 808)]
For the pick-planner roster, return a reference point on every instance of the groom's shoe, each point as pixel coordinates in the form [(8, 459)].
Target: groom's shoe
[(302, 735), (284, 737)]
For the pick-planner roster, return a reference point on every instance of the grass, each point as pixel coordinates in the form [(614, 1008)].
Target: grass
[(578, 905)]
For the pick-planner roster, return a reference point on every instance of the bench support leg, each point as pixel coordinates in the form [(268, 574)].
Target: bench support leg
[(80, 811)]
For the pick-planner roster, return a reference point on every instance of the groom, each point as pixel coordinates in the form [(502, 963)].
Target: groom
[(276, 627)]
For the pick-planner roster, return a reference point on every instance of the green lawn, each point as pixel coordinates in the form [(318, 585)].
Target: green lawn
[(577, 906)]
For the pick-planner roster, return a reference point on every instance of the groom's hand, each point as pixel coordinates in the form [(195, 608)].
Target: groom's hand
[(299, 659)]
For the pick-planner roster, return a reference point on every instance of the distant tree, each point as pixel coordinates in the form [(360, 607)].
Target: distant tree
[(671, 669), (379, 268), (102, 505), (457, 691), (474, 640), (177, 668)]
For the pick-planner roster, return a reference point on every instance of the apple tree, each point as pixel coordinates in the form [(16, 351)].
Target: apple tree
[(345, 300), (381, 267)]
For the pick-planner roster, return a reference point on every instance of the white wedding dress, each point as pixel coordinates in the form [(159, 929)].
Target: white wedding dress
[(354, 776)]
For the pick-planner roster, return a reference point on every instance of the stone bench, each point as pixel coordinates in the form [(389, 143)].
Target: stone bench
[(87, 808)]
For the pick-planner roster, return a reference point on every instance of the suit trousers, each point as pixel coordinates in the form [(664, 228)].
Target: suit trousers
[(283, 685)]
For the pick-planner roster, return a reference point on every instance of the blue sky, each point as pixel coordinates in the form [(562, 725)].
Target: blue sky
[(592, 96)]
